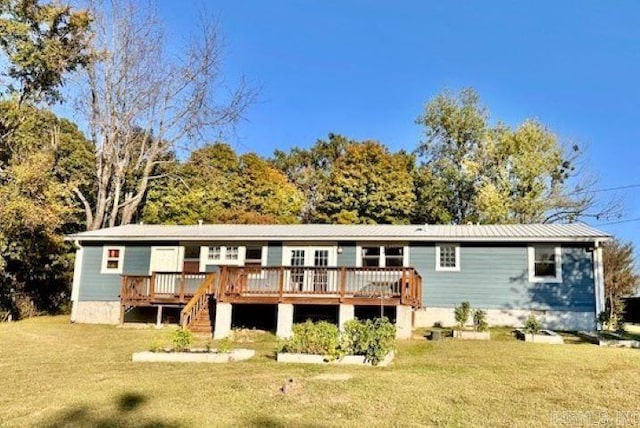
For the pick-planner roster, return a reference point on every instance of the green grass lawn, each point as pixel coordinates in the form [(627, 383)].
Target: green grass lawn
[(53, 373)]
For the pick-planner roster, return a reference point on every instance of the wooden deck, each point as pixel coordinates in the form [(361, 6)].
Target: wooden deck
[(390, 286)]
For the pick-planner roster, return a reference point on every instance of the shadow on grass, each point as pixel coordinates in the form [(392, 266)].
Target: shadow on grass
[(123, 414), (271, 422)]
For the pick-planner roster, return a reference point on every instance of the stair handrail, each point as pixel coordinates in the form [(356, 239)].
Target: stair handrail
[(197, 302)]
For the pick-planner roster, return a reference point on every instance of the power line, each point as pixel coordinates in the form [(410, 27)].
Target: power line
[(610, 189), (629, 220)]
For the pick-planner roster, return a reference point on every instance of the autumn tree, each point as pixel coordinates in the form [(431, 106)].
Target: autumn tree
[(216, 185), (368, 184), (42, 42), (309, 169), (472, 171), (48, 157), (621, 279), (143, 102)]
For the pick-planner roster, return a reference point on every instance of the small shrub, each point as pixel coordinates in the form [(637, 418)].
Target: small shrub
[(462, 313), (182, 340), (480, 320), (319, 338), (156, 345), (532, 325), (225, 345), (373, 339)]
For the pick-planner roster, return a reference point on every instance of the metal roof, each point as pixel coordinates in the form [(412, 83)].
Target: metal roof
[(332, 232)]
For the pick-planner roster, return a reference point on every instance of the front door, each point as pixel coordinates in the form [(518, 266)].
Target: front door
[(300, 277), (165, 259)]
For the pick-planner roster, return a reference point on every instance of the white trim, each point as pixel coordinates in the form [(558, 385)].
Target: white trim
[(382, 261), (558, 260), (455, 268), (75, 288), (598, 279), (105, 252), (333, 254)]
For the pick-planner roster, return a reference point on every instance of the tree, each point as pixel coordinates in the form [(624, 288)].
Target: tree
[(368, 184), (455, 127), (37, 209), (143, 102), (309, 169), (217, 186), (42, 43), (474, 172), (620, 278)]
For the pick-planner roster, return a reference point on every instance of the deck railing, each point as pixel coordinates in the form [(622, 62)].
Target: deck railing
[(402, 283), (178, 286), (198, 302)]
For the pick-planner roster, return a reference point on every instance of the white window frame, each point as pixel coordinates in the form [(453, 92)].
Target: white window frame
[(105, 259), (224, 260), (383, 257), (455, 268), (532, 261)]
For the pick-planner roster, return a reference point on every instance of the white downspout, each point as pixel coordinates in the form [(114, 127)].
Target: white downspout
[(77, 272), (598, 278)]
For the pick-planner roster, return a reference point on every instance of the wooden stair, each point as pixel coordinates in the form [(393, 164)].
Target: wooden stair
[(205, 319)]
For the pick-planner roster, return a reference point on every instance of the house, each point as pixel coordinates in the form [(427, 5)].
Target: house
[(414, 273)]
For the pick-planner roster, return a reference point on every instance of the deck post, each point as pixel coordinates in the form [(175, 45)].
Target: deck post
[(343, 283), (152, 286), (285, 320), (280, 284), (159, 317), (182, 284)]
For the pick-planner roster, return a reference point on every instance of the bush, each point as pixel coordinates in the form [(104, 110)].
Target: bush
[(461, 313), (480, 320), (373, 339), (532, 325), (319, 338), (182, 340)]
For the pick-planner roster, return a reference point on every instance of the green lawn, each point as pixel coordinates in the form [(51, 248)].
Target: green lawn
[(53, 373)]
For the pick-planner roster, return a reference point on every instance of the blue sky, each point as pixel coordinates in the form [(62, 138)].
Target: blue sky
[(365, 69)]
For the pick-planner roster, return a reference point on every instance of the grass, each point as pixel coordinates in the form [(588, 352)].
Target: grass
[(53, 373)]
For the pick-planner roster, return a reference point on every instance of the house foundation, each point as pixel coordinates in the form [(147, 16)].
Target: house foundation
[(346, 313), (284, 327), (222, 327)]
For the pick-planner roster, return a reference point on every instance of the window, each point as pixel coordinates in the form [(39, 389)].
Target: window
[(191, 253), (448, 257), (215, 253), (232, 253), (545, 264), (253, 257), (112, 259), (393, 256), (370, 256), (383, 256), (221, 253)]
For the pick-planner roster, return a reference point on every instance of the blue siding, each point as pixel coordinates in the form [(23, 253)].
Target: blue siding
[(498, 278), (94, 285), (274, 254), (136, 260), (348, 256)]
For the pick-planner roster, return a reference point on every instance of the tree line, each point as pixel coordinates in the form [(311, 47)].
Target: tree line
[(147, 148)]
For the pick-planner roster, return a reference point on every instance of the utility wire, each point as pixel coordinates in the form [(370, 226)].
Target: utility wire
[(619, 222), (609, 189)]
